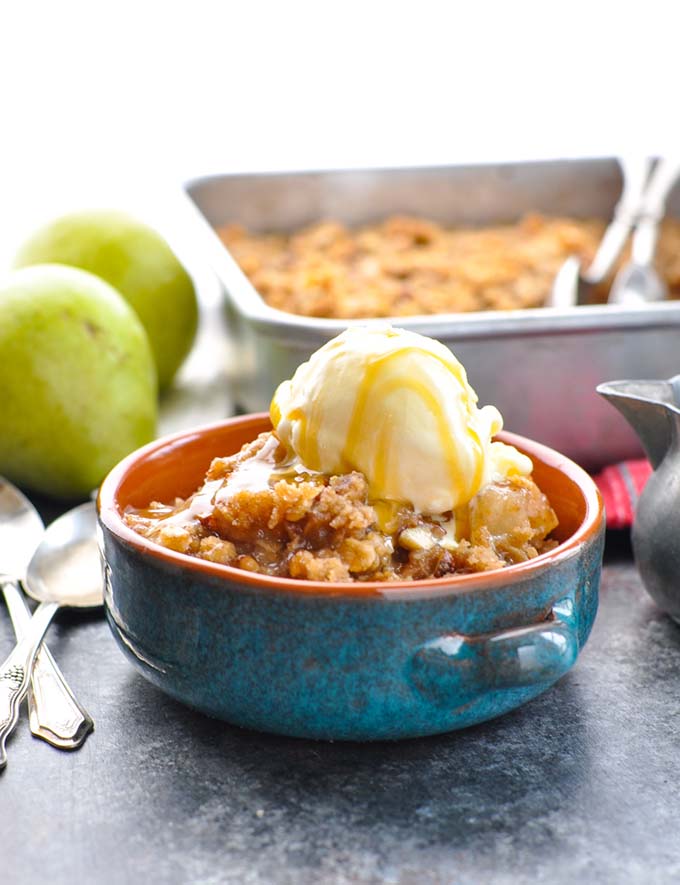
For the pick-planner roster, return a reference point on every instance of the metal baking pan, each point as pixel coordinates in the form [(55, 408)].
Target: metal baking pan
[(539, 366)]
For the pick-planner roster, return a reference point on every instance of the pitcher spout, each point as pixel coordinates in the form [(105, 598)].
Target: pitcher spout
[(652, 408)]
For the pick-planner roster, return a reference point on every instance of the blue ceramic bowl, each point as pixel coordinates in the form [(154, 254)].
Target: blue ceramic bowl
[(362, 661)]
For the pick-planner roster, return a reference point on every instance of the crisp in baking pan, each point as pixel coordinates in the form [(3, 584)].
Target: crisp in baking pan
[(539, 366)]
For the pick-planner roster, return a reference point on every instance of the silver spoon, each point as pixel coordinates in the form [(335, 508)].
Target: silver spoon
[(638, 281), (64, 570), (573, 283), (54, 713)]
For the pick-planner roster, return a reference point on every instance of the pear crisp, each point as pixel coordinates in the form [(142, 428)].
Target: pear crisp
[(405, 266), (256, 512)]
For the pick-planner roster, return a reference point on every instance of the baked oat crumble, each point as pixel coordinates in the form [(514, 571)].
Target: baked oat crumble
[(405, 265), (254, 513)]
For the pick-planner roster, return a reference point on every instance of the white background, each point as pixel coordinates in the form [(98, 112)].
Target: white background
[(116, 103)]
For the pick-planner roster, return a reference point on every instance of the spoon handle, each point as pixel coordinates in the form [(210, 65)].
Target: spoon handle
[(15, 672), (661, 183), (635, 171), (54, 712)]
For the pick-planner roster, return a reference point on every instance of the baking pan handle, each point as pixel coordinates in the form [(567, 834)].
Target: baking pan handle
[(454, 669)]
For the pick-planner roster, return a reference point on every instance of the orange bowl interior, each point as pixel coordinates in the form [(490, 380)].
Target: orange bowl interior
[(177, 467)]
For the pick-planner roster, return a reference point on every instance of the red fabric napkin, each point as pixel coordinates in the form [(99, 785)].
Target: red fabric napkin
[(620, 486)]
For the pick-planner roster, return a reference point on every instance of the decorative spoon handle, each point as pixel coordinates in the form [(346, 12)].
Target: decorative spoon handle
[(15, 672), (54, 713)]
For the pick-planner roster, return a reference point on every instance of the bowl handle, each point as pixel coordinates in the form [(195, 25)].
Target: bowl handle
[(454, 669)]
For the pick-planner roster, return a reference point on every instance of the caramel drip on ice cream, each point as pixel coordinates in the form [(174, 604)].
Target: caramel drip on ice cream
[(373, 386)]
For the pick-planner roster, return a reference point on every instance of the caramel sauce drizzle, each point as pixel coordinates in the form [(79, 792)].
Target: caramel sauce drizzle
[(372, 386)]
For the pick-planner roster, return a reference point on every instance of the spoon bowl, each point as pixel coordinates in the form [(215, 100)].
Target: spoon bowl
[(637, 284), (21, 529), (66, 567), (569, 286)]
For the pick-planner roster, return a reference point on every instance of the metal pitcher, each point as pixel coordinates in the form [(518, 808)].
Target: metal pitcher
[(652, 408)]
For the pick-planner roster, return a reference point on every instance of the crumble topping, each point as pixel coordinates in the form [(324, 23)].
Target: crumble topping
[(405, 265), (257, 511)]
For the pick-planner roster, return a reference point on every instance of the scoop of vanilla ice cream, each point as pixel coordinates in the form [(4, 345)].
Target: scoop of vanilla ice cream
[(397, 407)]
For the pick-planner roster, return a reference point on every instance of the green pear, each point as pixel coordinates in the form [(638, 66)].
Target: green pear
[(136, 261), (78, 387)]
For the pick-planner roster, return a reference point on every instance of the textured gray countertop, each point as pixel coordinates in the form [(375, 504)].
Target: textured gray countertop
[(577, 786)]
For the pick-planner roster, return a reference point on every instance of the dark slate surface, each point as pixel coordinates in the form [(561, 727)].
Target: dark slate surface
[(580, 785)]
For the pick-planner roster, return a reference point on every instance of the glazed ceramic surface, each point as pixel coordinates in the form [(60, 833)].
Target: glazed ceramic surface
[(362, 661)]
